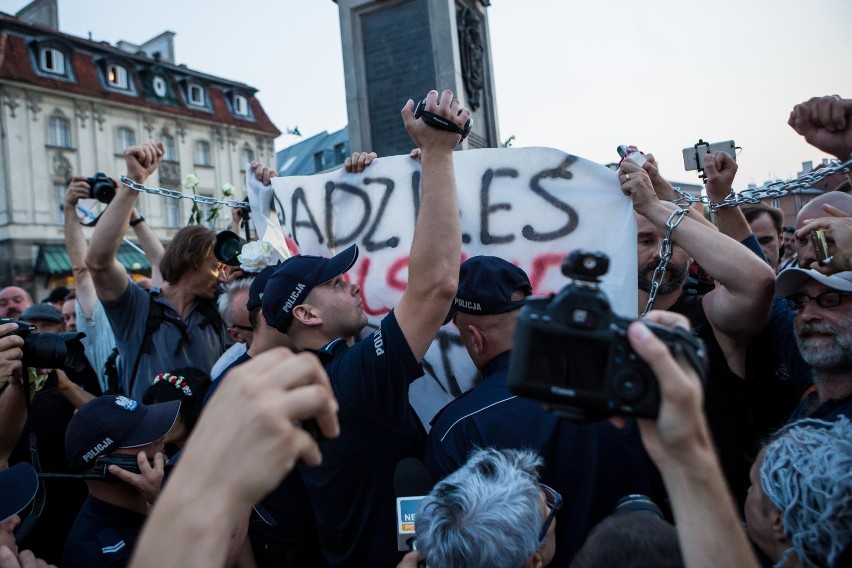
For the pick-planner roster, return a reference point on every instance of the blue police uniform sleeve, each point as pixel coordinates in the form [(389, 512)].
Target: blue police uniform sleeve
[(372, 376), (445, 451)]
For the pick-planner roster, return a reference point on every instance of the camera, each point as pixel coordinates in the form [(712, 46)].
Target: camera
[(440, 122), (572, 351), (49, 350), (693, 157), (102, 187)]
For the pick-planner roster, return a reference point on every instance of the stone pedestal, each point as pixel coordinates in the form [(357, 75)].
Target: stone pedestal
[(394, 50)]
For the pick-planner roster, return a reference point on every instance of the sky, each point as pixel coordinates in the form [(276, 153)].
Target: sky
[(580, 77)]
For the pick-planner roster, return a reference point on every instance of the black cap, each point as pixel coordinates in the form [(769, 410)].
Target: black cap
[(486, 285), (18, 486), (258, 285)]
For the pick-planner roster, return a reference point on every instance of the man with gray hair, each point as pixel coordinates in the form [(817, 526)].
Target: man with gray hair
[(799, 508), (491, 513), (231, 304)]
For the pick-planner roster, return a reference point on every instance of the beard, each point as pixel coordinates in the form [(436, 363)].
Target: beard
[(824, 346), (673, 279)]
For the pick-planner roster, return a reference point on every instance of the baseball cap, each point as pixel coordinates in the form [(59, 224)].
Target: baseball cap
[(486, 285), (44, 312), (255, 296), (295, 278), (18, 486), (111, 422), (791, 279)]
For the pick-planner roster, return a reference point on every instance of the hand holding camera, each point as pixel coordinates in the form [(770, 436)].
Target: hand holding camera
[(11, 352), (446, 121), (837, 225)]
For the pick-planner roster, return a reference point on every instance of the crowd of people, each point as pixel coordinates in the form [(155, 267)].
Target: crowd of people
[(212, 416)]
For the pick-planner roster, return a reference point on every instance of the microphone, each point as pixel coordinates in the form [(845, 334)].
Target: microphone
[(411, 485)]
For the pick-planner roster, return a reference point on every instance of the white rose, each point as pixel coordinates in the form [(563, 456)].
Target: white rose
[(257, 255), (190, 181), (228, 190)]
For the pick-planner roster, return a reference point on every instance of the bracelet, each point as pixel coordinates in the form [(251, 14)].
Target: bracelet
[(136, 221)]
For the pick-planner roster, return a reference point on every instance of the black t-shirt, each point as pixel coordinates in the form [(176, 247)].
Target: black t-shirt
[(352, 490), (103, 535)]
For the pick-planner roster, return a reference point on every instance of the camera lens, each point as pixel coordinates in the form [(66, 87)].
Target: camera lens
[(628, 386)]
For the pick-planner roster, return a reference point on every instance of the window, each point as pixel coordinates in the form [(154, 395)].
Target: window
[(124, 138), (160, 88), (319, 161), (59, 190), (247, 157), (240, 105), (52, 60), (169, 143), (60, 132), (171, 212), (117, 76), (339, 153), (202, 153), (196, 94)]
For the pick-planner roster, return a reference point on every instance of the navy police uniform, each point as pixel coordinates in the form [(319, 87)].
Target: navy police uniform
[(102, 536), (352, 490), (592, 465)]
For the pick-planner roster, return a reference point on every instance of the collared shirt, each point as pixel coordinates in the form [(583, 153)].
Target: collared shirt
[(128, 316), (99, 340), (592, 465), (352, 490), (103, 535), (831, 409)]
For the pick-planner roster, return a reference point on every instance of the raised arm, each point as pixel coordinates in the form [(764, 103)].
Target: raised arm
[(108, 274), (740, 306), (721, 169), (152, 246), (433, 265), (825, 122), (75, 244), (13, 410), (708, 526), (665, 190)]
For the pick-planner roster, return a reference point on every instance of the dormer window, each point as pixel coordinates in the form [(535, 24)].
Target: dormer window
[(52, 60), (117, 76), (160, 88), (195, 94), (240, 105)]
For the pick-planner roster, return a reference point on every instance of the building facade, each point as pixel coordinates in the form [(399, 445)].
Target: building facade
[(70, 106)]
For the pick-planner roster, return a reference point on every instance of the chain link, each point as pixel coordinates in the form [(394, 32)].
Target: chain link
[(772, 190), (665, 255), (175, 194)]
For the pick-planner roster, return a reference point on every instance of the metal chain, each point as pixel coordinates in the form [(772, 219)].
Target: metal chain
[(665, 255), (175, 194), (772, 190)]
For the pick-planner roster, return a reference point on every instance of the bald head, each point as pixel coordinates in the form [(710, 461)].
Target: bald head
[(13, 302), (813, 210)]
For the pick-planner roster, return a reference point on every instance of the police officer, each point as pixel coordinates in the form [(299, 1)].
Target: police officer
[(112, 516), (591, 465)]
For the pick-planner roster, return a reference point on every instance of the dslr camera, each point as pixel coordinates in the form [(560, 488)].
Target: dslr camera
[(572, 352), (102, 187), (49, 350)]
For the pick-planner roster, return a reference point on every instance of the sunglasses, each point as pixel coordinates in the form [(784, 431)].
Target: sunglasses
[(554, 502)]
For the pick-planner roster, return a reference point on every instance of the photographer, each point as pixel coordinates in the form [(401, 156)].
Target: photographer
[(726, 318), (176, 326), (90, 317)]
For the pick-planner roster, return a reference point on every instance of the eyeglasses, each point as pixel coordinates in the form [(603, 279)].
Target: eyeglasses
[(554, 502), (824, 300)]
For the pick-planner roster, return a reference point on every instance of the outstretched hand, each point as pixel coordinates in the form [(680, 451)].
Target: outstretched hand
[(428, 138), (143, 160), (825, 122)]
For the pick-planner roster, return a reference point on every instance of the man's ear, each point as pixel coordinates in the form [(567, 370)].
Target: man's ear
[(535, 561), (307, 314), (479, 341), (234, 334), (777, 522)]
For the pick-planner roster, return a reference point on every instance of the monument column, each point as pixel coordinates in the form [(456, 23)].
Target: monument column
[(394, 50)]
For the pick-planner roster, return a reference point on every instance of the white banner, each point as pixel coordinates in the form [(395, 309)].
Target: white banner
[(530, 206)]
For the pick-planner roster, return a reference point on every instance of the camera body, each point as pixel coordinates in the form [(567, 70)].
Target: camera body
[(572, 351), (440, 122), (102, 187), (49, 350)]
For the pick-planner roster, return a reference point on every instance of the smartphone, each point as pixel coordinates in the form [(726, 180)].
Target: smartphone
[(693, 157)]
